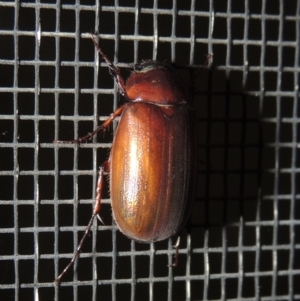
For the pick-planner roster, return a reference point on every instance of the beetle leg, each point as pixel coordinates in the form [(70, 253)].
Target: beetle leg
[(103, 168), (113, 69), (78, 250), (207, 64), (100, 128), (96, 211), (176, 247)]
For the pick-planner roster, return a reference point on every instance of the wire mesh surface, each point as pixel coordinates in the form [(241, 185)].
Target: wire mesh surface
[(242, 242)]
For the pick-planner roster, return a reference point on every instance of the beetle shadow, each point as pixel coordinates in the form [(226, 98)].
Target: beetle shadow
[(238, 206), (230, 141), (229, 179)]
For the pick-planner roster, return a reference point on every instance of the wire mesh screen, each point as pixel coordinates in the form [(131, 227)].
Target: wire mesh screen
[(242, 241)]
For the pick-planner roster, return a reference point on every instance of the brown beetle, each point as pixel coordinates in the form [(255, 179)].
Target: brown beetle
[(153, 157)]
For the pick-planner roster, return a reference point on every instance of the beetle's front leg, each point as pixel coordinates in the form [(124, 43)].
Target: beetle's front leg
[(113, 70)]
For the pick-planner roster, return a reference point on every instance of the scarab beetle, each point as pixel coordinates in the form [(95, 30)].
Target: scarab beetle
[(152, 163)]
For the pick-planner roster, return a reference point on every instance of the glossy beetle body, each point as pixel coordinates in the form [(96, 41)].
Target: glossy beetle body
[(153, 160)]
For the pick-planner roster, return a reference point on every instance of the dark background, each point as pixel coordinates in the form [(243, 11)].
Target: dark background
[(243, 238)]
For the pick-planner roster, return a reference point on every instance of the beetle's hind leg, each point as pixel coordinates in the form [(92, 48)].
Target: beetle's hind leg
[(96, 211), (103, 168)]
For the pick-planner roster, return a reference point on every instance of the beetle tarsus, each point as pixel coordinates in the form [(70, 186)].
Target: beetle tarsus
[(76, 254)]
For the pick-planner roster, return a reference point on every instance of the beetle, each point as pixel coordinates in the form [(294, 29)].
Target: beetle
[(153, 159)]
